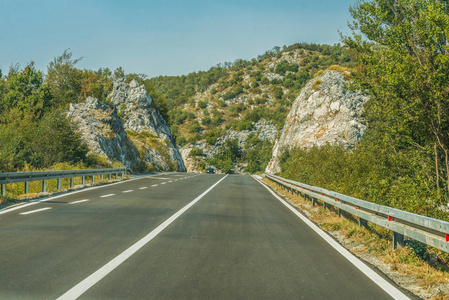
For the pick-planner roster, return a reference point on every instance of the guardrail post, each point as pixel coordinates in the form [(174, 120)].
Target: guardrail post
[(27, 187), (102, 177), (363, 222), (58, 184), (116, 176), (398, 240), (313, 201), (341, 213), (44, 186), (83, 180), (3, 189), (123, 175), (109, 176), (93, 179), (326, 206), (71, 182)]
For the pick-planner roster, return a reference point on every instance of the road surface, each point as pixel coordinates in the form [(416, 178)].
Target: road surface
[(177, 236)]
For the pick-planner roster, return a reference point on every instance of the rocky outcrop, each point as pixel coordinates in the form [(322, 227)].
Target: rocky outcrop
[(130, 129), (103, 131), (324, 112), (148, 129)]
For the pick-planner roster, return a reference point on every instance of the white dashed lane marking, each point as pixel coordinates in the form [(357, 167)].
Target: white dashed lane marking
[(108, 195), (34, 211), (142, 188), (128, 191), (79, 201), (154, 185)]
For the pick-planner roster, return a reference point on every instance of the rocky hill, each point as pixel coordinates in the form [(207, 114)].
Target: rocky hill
[(324, 112), (128, 129), (240, 102)]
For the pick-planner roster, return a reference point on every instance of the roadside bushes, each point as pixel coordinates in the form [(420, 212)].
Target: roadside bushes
[(372, 172)]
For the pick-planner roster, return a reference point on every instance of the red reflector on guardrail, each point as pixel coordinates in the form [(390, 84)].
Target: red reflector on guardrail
[(390, 218), (356, 207), (336, 199), (321, 194), (447, 237)]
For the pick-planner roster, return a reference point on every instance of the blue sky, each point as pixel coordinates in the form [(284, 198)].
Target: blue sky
[(171, 37)]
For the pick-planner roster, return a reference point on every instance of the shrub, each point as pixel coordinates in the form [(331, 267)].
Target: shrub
[(202, 104), (196, 152), (195, 127), (278, 92)]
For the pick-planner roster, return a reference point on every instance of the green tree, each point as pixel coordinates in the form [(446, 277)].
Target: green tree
[(404, 66), (26, 91), (56, 140), (64, 79)]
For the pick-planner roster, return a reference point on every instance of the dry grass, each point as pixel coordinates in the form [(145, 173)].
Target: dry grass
[(345, 71), (430, 278), (316, 84), (15, 191), (319, 73), (339, 69)]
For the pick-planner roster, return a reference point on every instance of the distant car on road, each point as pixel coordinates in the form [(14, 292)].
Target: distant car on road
[(210, 171)]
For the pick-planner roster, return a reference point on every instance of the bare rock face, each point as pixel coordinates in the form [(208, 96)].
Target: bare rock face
[(130, 130), (324, 112), (103, 131), (146, 126)]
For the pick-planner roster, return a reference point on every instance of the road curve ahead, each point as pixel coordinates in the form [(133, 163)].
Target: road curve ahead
[(177, 236)]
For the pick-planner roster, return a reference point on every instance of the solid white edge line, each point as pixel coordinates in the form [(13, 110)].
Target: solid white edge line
[(95, 277), (79, 201), (108, 195), (7, 210), (34, 211), (376, 278)]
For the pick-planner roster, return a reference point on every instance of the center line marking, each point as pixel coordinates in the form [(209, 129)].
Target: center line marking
[(128, 191), (154, 185), (170, 181), (108, 195), (142, 188), (163, 183), (95, 277), (79, 201), (34, 211)]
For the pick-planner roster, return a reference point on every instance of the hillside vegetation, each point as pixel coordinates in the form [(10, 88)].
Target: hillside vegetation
[(200, 105), (205, 106)]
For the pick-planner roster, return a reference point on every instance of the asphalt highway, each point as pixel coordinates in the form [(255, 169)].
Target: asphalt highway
[(176, 236)]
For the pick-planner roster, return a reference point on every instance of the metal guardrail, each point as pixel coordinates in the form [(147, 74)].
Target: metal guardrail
[(27, 177), (430, 231)]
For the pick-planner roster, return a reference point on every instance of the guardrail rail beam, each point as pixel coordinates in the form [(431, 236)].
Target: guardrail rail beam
[(430, 231)]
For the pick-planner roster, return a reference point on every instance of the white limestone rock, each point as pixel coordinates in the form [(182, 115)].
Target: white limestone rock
[(329, 114)]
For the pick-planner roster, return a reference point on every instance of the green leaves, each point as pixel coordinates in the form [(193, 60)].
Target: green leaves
[(403, 55)]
